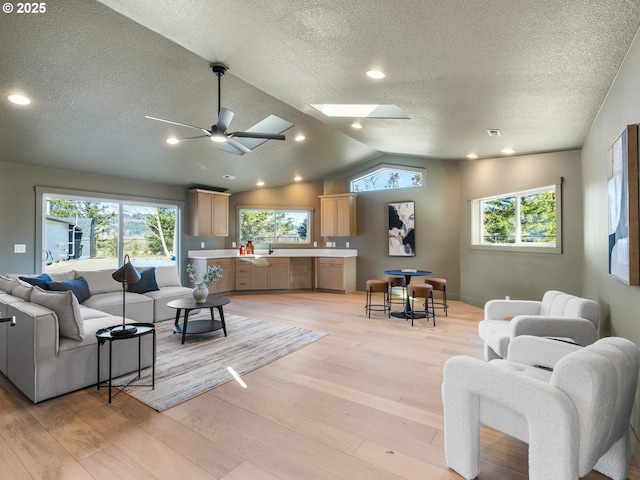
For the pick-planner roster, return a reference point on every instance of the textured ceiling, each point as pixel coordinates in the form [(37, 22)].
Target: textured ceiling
[(538, 71)]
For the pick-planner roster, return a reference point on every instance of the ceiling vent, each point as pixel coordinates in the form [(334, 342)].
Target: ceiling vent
[(493, 132)]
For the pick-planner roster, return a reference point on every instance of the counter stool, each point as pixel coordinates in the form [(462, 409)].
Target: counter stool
[(439, 284), (422, 290), (397, 281), (377, 286)]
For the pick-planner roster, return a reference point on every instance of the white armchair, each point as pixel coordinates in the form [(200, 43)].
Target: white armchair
[(558, 315), (574, 418)]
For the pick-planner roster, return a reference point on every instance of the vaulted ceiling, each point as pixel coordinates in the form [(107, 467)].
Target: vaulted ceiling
[(538, 71)]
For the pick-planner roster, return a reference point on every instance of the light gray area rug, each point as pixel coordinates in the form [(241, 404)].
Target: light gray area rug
[(184, 371)]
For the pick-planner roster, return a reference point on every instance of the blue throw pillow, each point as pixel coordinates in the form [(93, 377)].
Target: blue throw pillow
[(79, 287), (147, 282), (41, 281)]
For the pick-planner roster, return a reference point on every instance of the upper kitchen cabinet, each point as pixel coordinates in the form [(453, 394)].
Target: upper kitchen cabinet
[(208, 213), (338, 215)]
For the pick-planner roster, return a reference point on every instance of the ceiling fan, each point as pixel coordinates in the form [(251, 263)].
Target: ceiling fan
[(235, 142)]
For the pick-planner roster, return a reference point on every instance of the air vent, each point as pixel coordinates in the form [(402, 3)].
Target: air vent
[(228, 177), (493, 132)]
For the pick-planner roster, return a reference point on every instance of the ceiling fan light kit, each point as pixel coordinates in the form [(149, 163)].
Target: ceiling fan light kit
[(238, 143)]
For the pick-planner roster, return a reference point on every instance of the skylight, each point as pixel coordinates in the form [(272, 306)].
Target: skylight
[(360, 110)]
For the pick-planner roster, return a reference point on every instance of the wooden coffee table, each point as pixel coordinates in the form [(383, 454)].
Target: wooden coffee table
[(198, 326)]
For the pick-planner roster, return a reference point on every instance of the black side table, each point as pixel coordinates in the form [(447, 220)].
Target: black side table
[(142, 329)]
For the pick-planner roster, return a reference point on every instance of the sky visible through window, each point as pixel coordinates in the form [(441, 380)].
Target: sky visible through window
[(387, 178)]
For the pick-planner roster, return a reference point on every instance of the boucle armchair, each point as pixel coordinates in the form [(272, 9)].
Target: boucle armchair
[(558, 315), (575, 418)]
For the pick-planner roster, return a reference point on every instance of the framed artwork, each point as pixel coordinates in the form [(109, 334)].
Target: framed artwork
[(402, 236), (622, 199)]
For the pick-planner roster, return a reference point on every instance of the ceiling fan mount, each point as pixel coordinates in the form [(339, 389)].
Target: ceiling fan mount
[(218, 131)]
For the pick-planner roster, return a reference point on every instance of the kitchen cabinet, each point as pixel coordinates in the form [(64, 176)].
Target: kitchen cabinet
[(208, 213), (338, 215), (243, 274), (336, 274), (261, 273), (226, 283)]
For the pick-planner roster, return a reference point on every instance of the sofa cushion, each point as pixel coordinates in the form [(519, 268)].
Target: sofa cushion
[(67, 309), (22, 289), (167, 276), (99, 281), (147, 282), (41, 281), (6, 284), (79, 287)]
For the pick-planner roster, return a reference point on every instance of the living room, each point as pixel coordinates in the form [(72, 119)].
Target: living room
[(442, 216)]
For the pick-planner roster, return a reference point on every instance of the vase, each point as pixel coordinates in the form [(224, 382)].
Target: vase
[(200, 293)]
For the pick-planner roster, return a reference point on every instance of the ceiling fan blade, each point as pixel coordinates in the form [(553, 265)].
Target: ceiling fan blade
[(193, 138), (267, 136), (237, 145), (178, 123), (224, 119)]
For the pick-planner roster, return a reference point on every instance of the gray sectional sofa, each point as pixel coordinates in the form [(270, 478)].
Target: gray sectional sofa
[(52, 350)]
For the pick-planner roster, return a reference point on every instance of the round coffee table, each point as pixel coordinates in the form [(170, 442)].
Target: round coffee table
[(198, 326)]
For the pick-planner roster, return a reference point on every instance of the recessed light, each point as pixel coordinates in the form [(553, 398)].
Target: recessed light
[(356, 125), (377, 74), (300, 138), (297, 178), (172, 140), (260, 183), (472, 156), (508, 151), (19, 99), (228, 177)]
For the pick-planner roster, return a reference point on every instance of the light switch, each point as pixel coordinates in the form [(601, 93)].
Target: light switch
[(201, 244), (315, 244), (19, 248), (347, 244)]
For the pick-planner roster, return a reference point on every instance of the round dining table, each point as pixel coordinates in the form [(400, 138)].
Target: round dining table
[(408, 273)]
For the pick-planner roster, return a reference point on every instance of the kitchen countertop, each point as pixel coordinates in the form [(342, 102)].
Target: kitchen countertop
[(278, 252)]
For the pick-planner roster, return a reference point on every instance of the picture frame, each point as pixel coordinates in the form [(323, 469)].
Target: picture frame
[(402, 241), (622, 206)]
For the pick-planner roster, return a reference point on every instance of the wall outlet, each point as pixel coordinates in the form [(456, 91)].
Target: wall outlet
[(346, 244), (201, 244), (315, 244), (233, 244), (19, 248), (328, 244)]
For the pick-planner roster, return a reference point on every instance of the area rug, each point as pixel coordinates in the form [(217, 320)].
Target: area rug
[(184, 371)]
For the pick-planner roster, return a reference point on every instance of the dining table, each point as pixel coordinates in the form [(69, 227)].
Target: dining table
[(407, 312)]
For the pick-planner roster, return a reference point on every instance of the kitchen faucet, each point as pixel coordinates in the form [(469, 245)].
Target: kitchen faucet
[(270, 249)]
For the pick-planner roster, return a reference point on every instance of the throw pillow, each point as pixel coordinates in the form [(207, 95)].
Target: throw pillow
[(6, 284), (167, 276), (22, 290), (79, 287), (147, 282), (41, 281), (67, 309)]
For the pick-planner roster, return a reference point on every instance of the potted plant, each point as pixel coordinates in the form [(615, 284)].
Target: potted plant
[(201, 290)]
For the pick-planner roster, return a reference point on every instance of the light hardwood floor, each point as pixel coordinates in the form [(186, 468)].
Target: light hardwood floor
[(361, 403)]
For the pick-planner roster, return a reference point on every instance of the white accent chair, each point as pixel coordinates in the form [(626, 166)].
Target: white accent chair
[(574, 418), (558, 315)]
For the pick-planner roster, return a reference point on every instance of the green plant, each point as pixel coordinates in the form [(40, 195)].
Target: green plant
[(213, 274)]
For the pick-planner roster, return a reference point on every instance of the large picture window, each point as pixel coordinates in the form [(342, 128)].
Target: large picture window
[(527, 219), (274, 226), (93, 233)]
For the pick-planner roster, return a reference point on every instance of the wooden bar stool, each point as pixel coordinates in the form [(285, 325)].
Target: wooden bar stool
[(377, 286), (421, 290), (439, 284), (397, 281)]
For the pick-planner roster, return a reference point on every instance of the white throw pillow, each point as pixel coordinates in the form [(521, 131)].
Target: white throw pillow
[(67, 309), (22, 290), (167, 276), (6, 284)]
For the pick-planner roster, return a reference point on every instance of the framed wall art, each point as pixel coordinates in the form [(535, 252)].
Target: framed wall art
[(402, 237), (622, 198)]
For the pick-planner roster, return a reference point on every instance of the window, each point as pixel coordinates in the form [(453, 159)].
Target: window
[(90, 233), (527, 220), (388, 177), (274, 226)]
